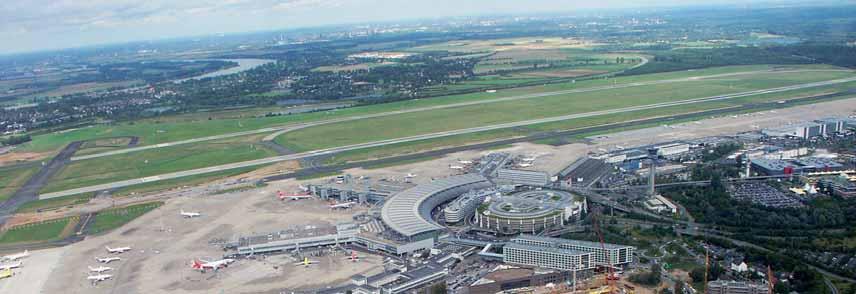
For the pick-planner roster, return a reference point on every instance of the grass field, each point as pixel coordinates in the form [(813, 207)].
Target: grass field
[(39, 232), (190, 156), (409, 124), (109, 219), (168, 129), (12, 179), (54, 203), (157, 161), (176, 183)]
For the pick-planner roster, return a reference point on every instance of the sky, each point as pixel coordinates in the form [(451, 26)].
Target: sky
[(35, 25)]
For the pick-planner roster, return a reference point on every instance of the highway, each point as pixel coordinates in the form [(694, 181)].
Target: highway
[(279, 130), (381, 143)]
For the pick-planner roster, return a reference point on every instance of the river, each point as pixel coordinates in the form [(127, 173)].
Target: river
[(243, 64)]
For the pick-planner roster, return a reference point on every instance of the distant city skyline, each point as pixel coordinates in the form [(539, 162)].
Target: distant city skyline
[(40, 25)]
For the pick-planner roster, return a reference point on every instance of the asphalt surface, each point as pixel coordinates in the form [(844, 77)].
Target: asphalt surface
[(284, 129), (329, 151), (30, 190)]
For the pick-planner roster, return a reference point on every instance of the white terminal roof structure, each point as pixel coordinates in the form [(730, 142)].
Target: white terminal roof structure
[(409, 211)]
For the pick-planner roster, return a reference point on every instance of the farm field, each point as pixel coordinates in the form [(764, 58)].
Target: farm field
[(409, 124), (194, 126), (157, 161)]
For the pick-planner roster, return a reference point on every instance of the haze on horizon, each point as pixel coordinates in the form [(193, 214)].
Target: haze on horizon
[(39, 25)]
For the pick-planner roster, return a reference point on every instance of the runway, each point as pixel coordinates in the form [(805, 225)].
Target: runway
[(276, 131), (380, 143)]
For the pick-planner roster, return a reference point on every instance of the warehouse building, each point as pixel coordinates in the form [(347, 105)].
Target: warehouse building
[(672, 149), (823, 127), (610, 254), (504, 278), (774, 167)]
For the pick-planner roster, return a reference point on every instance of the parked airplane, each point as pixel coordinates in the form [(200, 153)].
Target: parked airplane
[(6, 273), (465, 161), (458, 167), (17, 256), (10, 265), (98, 278), (188, 214), (529, 159), (117, 250), (306, 262), (107, 259), (524, 164), (343, 205), (410, 175), (303, 188), (100, 269), (282, 196), (354, 257), (202, 265)]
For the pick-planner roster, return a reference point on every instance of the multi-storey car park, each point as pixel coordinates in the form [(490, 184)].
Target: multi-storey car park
[(528, 211)]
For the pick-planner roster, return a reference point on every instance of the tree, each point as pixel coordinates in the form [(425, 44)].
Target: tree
[(439, 288), (679, 287)]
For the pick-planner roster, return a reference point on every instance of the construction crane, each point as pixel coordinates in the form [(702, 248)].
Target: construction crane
[(771, 280), (610, 272), (706, 268)]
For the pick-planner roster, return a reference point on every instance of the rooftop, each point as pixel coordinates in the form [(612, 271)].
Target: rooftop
[(571, 242), (545, 249), (403, 212)]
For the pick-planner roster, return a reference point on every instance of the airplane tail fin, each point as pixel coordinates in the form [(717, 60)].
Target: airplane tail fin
[(90, 268), (196, 264)]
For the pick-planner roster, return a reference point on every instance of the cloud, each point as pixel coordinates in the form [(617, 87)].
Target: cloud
[(51, 24)]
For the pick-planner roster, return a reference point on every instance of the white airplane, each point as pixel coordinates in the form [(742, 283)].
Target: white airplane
[(458, 167), (99, 278), (524, 164), (188, 214), (531, 158), (303, 188), (343, 205), (306, 262), (202, 265), (354, 257), (465, 161), (282, 196), (16, 256), (10, 265), (117, 250), (410, 175), (100, 269), (107, 259)]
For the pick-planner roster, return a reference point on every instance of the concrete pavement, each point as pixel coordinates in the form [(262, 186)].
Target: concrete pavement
[(279, 130), (381, 143)]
